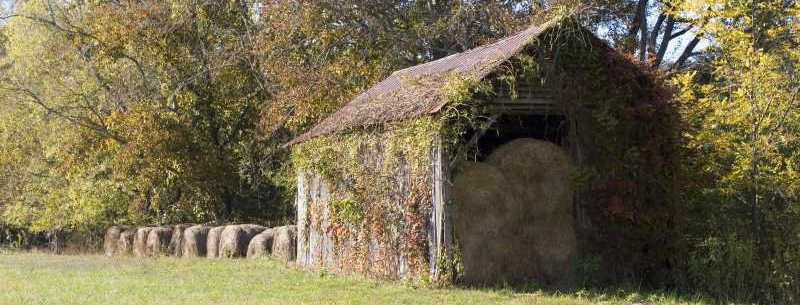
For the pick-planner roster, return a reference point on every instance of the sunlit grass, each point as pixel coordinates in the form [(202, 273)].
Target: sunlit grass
[(30, 278)]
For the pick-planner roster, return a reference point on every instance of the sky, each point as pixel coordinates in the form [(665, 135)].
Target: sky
[(5, 8)]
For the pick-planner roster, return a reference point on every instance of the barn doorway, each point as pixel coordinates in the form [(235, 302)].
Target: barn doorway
[(508, 127), (513, 206)]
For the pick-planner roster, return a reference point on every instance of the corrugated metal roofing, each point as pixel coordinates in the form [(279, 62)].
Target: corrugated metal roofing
[(415, 91)]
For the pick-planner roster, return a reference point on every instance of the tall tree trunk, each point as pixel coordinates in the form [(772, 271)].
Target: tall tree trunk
[(642, 13)]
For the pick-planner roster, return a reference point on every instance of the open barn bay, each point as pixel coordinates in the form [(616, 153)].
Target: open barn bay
[(31, 278)]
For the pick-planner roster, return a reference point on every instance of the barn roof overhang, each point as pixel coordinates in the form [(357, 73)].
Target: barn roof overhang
[(416, 91)]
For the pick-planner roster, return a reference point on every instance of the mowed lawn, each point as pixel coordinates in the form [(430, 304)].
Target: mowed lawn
[(30, 278)]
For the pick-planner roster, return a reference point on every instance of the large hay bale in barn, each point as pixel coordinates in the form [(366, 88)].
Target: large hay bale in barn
[(284, 245), (140, 241), (536, 168), (483, 206), (539, 172), (261, 244), (177, 240), (125, 243), (158, 241), (554, 248), (513, 216), (234, 239), (212, 242), (111, 240), (194, 241)]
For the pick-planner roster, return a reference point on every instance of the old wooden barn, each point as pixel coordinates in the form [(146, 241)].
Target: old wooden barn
[(497, 165)]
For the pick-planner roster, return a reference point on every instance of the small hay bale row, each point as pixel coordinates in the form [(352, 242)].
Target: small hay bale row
[(191, 241), (112, 241), (194, 241), (280, 242)]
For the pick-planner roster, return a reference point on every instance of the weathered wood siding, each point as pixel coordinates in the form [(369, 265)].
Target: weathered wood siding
[(440, 228), (320, 247)]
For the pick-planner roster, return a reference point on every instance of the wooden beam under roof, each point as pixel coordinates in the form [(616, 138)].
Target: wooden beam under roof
[(527, 105)]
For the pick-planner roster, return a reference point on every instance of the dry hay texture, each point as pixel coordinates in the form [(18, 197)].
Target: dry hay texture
[(513, 216), (194, 241), (261, 244), (111, 240), (234, 239), (125, 242), (176, 241), (212, 242), (284, 246), (158, 241), (140, 241)]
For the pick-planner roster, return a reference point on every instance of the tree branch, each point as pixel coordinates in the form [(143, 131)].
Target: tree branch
[(687, 52), (667, 37), (656, 30), (642, 12), (82, 122), (681, 32)]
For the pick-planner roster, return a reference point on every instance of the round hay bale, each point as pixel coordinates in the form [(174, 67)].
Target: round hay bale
[(125, 242), (235, 239), (140, 241), (177, 240), (555, 249), (194, 241), (261, 244), (212, 242), (158, 241), (539, 172), (252, 230), (482, 207), (513, 216), (284, 245), (111, 240)]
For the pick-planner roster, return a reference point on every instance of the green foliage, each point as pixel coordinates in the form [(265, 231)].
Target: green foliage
[(132, 113), (347, 46), (364, 167), (588, 272), (743, 152), (146, 111), (725, 269), (345, 211), (623, 135)]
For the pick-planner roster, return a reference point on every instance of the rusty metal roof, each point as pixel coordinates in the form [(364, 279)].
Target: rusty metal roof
[(415, 91)]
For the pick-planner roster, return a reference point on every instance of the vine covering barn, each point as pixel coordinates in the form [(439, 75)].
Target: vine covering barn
[(516, 161)]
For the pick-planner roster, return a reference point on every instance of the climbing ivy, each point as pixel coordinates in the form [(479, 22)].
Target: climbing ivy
[(367, 169), (622, 133), (623, 136)]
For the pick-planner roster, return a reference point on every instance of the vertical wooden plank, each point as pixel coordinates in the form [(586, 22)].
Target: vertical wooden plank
[(325, 242), (447, 206), (434, 224), (302, 211), (314, 247), (439, 234)]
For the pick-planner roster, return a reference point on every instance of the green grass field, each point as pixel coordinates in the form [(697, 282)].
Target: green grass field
[(29, 278)]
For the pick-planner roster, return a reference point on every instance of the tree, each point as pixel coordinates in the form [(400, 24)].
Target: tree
[(320, 54), (148, 111), (745, 148), (656, 31), (38, 150)]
